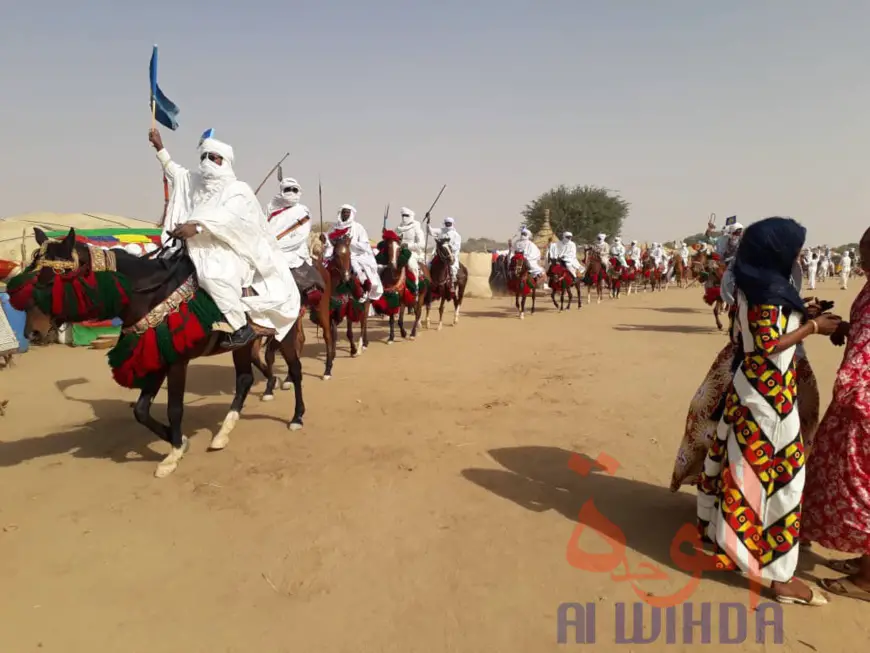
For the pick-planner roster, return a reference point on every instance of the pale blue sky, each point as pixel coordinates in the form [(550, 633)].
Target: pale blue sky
[(686, 107)]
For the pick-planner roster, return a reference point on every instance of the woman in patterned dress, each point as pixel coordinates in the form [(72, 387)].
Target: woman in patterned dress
[(750, 491), (837, 504)]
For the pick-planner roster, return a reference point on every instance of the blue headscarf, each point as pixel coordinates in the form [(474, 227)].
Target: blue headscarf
[(764, 262)]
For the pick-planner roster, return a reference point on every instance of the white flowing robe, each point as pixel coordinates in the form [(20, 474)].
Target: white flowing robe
[(414, 239), (634, 255), (234, 251), (567, 252), (293, 244), (454, 242), (362, 258), (532, 255), (845, 270), (618, 251)]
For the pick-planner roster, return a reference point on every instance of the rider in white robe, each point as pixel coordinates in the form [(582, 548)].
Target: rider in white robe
[(411, 233), (634, 254), (290, 223), (362, 257), (229, 243), (657, 253), (530, 252), (618, 251), (454, 242), (684, 253), (567, 253), (603, 248)]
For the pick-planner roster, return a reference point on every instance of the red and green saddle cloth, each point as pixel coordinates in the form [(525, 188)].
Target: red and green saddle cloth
[(524, 286), (170, 331), (403, 294)]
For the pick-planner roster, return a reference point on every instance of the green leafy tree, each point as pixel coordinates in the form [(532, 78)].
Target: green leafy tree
[(585, 211)]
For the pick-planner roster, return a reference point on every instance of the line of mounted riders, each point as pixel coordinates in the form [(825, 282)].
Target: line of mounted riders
[(511, 275)]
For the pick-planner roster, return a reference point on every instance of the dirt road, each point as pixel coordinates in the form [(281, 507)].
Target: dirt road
[(427, 506)]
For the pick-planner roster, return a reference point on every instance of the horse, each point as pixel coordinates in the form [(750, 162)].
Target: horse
[(713, 291), (559, 277), (440, 287), (595, 273), (629, 275), (400, 284), (349, 298), (498, 274), (617, 274), (521, 283), (682, 272), (317, 302), (652, 273), (167, 322)]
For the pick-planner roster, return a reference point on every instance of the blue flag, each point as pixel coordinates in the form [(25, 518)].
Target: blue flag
[(165, 110), (730, 220)]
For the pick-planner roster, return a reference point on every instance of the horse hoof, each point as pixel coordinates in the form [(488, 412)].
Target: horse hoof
[(440, 326), (222, 438), (295, 425), (412, 337), (169, 464), (389, 342), (522, 316), (269, 397), (326, 377), (287, 385)]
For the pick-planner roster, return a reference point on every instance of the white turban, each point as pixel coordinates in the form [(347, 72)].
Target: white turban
[(407, 215), (287, 198), (602, 236), (567, 234), (634, 242), (211, 170), (525, 232), (618, 240), (736, 227), (448, 222), (352, 214)]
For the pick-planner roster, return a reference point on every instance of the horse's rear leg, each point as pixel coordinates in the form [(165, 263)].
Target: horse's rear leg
[(294, 372), (716, 308), (553, 298), (299, 344), (350, 338), (330, 334), (177, 379), (244, 381), (402, 331), (534, 296), (364, 328), (392, 337)]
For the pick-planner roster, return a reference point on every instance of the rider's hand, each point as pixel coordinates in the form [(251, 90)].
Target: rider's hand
[(155, 139), (185, 231)]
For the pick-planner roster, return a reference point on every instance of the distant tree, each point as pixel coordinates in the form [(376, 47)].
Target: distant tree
[(585, 211), (698, 238)]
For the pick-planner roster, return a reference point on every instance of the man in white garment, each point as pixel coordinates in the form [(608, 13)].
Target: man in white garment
[(567, 253), (845, 269), (290, 223), (530, 252), (657, 254), (454, 242), (634, 254), (684, 253), (603, 249), (229, 243), (512, 241), (553, 250), (618, 251), (362, 256), (813, 270), (411, 233)]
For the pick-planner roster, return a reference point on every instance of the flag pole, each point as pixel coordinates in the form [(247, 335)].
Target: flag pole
[(429, 222), (274, 168), (320, 196)]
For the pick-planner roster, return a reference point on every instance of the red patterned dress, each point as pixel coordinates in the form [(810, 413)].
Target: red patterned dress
[(749, 500), (837, 495)]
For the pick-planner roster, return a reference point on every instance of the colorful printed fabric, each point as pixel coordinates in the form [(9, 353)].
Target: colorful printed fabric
[(837, 497), (749, 500)]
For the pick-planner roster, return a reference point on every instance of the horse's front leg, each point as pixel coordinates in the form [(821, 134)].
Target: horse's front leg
[(142, 408), (716, 308), (392, 337), (402, 331), (267, 369), (177, 379), (534, 296), (330, 347), (441, 312), (244, 381), (364, 327), (350, 338)]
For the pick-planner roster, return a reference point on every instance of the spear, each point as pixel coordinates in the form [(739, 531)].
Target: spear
[(276, 166), (320, 194), (386, 217), (429, 220)]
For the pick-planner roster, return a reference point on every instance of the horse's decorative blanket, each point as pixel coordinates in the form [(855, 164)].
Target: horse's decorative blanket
[(402, 293), (515, 281)]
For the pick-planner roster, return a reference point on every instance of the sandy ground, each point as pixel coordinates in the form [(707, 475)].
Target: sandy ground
[(427, 505)]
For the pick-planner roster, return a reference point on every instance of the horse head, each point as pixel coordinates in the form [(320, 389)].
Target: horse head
[(518, 265), (52, 260), (340, 261), (391, 247)]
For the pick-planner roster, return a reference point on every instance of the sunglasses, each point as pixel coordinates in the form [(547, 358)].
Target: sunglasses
[(215, 158), (290, 189)]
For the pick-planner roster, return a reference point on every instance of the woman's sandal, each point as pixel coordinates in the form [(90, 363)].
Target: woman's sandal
[(845, 587), (816, 599)]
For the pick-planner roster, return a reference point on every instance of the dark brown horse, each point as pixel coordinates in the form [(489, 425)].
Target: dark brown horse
[(652, 273), (596, 274), (440, 286), (393, 259), (682, 272), (521, 283), (350, 300), (423, 281), (559, 278), (167, 322), (317, 302)]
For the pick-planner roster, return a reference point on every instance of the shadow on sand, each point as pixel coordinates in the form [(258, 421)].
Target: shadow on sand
[(114, 434), (665, 328), (540, 478)]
